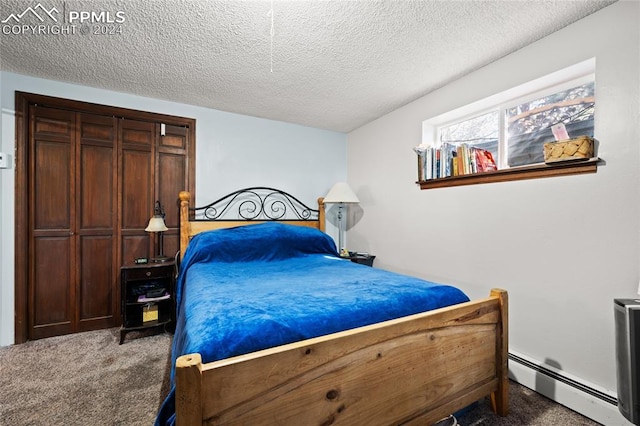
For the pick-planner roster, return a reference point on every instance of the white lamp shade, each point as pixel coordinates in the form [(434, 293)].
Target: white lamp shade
[(341, 193), (156, 224)]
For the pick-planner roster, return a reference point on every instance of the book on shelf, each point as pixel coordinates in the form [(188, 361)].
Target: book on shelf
[(421, 166), (485, 161), (421, 151)]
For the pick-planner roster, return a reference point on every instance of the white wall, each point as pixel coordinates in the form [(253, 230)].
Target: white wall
[(232, 151), (563, 247)]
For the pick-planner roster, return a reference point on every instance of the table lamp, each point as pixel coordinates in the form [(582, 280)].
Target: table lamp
[(156, 224), (341, 194)]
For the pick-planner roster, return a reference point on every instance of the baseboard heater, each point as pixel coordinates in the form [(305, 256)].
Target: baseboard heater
[(564, 379)]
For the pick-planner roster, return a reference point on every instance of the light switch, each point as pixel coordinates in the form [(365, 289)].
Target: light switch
[(5, 160)]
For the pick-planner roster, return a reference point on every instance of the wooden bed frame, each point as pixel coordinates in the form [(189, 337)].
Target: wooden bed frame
[(413, 370)]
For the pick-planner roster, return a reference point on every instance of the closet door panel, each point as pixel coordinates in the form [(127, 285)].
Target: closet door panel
[(52, 225), (51, 295), (96, 275), (171, 170), (137, 206), (97, 181), (172, 178), (139, 133), (175, 137), (137, 175), (96, 292), (52, 185), (96, 200)]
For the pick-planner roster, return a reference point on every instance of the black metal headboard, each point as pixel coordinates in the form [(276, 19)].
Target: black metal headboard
[(256, 203)]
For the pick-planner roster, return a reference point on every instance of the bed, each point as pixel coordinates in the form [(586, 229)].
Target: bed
[(273, 327)]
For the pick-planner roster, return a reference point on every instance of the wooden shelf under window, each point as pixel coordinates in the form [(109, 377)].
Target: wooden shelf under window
[(534, 171)]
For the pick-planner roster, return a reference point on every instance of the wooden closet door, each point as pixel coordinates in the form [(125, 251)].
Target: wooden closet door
[(154, 168), (96, 246), (172, 177), (51, 223), (73, 231), (87, 178), (138, 140)]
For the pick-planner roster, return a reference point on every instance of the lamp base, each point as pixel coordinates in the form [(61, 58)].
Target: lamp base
[(160, 259)]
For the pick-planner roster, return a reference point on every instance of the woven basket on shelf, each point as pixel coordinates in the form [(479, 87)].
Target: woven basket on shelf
[(569, 149)]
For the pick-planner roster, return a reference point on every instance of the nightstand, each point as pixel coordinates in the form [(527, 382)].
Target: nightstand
[(361, 258), (147, 296)]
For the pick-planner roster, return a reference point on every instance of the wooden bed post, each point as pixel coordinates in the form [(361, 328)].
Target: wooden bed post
[(500, 398), (185, 226), (189, 388), (321, 217)]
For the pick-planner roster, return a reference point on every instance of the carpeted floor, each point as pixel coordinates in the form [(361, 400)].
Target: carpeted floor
[(84, 379), (526, 408), (88, 379)]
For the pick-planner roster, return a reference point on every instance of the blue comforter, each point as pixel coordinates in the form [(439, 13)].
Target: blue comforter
[(253, 287)]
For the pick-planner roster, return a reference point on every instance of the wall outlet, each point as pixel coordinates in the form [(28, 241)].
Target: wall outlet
[(5, 160)]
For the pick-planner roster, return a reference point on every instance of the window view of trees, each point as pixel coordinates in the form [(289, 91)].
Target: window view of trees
[(480, 132)]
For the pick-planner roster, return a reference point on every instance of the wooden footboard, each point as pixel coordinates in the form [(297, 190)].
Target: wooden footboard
[(412, 370)]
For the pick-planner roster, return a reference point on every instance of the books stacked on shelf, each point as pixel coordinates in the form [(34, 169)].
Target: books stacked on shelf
[(449, 160)]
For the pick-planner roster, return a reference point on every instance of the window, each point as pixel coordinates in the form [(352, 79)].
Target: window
[(515, 124), (481, 132), (529, 124)]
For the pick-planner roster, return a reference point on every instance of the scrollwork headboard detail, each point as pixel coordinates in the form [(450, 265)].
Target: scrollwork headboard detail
[(244, 207), (256, 203)]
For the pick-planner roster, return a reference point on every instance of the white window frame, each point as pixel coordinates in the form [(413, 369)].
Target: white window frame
[(566, 78)]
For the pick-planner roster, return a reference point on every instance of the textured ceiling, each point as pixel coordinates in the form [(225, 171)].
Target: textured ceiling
[(336, 64)]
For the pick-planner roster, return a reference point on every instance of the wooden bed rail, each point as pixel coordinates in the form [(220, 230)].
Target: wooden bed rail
[(412, 370)]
